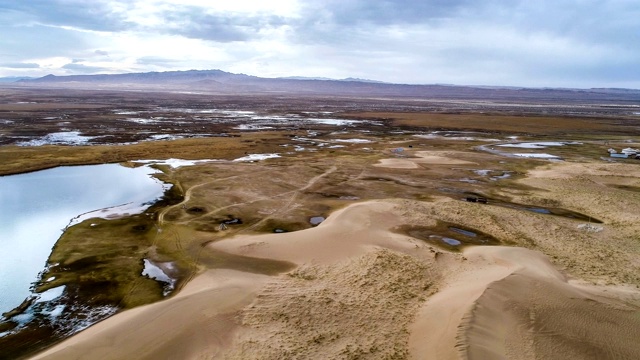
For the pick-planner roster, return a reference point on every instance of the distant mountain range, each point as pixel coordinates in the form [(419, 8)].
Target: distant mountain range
[(10, 79), (218, 81)]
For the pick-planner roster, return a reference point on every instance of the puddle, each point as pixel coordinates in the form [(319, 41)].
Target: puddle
[(449, 241), (51, 294), (158, 272), (256, 157), (448, 236), (536, 209), (536, 156), (505, 175), (338, 122), (539, 145), (353, 141), (463, 232), (59, 138), (456, 135), (349, 198), (233, 221), (316, 220), (175, 163)]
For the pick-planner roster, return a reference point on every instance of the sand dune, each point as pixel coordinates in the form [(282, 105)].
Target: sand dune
[(527, 316), (363, 291), (511, 303)]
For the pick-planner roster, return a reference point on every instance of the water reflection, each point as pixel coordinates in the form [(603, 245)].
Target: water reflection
[(36, 207)]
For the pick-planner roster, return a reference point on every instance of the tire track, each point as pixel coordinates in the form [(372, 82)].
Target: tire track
[(289, 203)]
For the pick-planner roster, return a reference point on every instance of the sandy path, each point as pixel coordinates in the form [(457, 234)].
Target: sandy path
[(292, 199), (187, 195)]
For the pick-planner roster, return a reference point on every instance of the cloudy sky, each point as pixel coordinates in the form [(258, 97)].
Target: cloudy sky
[(566, 43)]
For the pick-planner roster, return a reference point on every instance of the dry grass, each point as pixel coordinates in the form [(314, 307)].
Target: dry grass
[(532, 125), (16, 159)]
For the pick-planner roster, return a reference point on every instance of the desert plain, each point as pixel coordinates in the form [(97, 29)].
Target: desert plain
[(341, 228)]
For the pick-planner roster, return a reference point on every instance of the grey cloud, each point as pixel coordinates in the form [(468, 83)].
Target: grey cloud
[(189, 21), (101, 53), (20, 65), (384, 11), (520, 41), (590, 21), (90, 15), (355, 21), (192, 22)]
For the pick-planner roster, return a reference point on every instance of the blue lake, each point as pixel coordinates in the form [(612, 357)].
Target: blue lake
[(35, 208)]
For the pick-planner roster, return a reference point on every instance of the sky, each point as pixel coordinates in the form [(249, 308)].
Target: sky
[(533, 43)]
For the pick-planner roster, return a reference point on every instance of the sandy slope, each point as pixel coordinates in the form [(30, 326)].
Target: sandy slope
[(198, 321), (511, 303), (529, 315), (362, 291)]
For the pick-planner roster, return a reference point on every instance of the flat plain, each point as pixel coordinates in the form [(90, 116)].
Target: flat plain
[(342, 228)]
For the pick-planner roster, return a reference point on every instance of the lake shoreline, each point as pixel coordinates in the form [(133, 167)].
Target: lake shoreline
[(36, 307)]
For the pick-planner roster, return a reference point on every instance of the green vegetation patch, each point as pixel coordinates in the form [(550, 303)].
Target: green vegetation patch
[(102, 261)]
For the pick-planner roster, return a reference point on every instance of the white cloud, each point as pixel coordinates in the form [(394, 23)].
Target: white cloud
[(575, 43)]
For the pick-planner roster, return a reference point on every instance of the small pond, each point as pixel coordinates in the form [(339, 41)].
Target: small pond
[(536, 209), (448, 235)]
